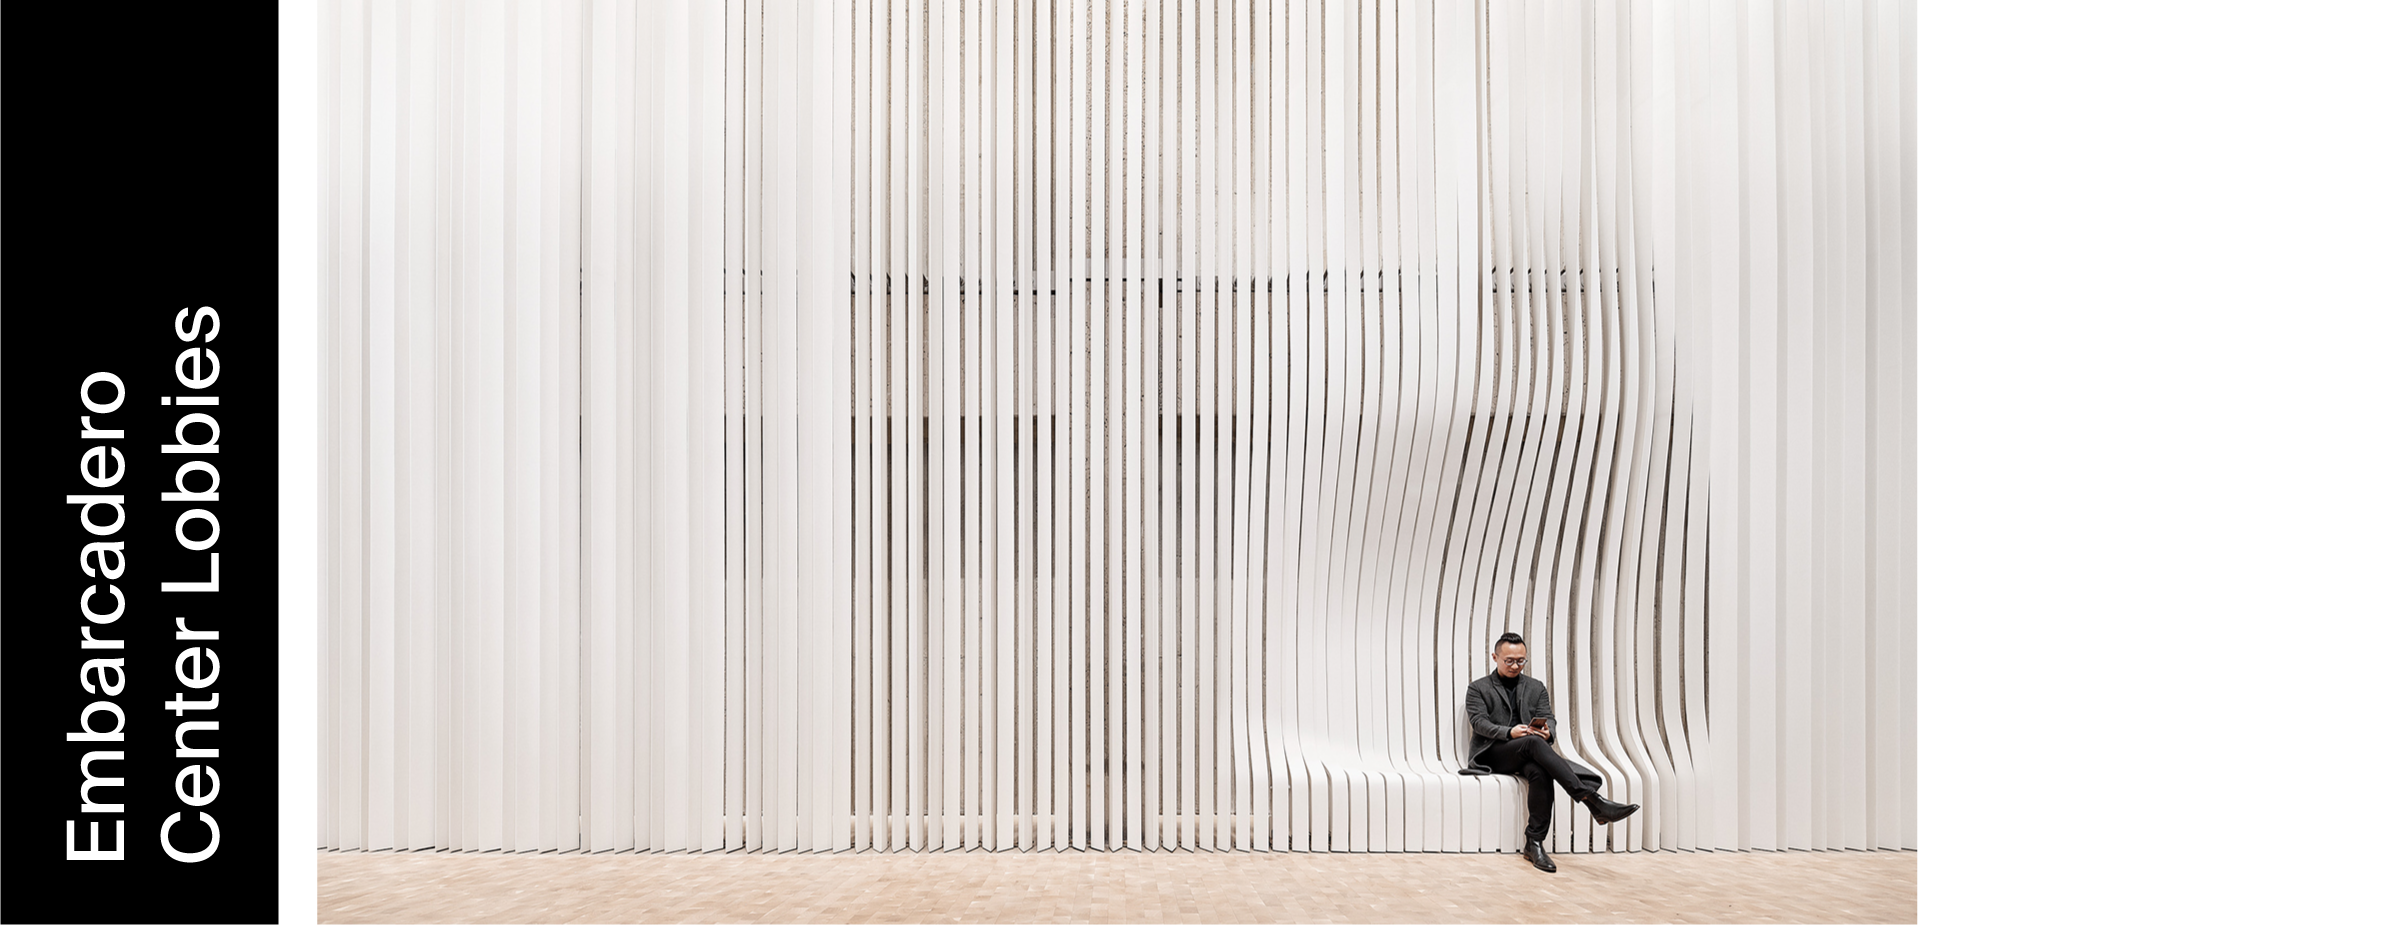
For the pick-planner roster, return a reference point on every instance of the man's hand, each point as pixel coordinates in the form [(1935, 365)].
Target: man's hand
[(1520, 729)]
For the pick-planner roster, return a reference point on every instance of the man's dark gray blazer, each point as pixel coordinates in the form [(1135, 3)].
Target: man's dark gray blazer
[(1492, 709)]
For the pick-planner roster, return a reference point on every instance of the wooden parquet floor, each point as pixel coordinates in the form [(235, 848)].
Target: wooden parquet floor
[(1764, 886)]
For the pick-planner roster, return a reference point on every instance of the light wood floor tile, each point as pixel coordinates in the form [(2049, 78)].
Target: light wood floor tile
[(1763, 886)]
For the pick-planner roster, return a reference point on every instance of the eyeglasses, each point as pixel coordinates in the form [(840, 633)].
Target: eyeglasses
[(1513, 661)]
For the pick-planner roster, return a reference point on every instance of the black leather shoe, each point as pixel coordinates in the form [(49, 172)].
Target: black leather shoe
[(1539, 858), (1608, 812)]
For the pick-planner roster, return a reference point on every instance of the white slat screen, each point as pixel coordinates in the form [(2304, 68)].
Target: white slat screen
[(1076, 424)]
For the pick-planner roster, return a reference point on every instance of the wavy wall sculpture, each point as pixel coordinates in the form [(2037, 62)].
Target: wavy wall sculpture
[(1104, 425)]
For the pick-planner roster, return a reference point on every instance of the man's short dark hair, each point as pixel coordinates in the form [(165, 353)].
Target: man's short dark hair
[(1508, 639)]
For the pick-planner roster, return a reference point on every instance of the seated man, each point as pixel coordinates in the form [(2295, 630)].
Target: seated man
[(1500, 707)]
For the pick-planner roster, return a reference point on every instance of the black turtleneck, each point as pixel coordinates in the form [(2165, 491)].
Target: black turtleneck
[(1509, 693)]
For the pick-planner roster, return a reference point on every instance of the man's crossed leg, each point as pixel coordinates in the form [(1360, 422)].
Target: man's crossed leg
[(1531, 757)]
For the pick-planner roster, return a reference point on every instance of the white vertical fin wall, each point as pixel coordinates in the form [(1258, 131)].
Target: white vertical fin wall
[(1070, 424)]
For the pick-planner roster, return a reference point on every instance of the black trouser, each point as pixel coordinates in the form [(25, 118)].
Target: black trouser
[(1531, 757)]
